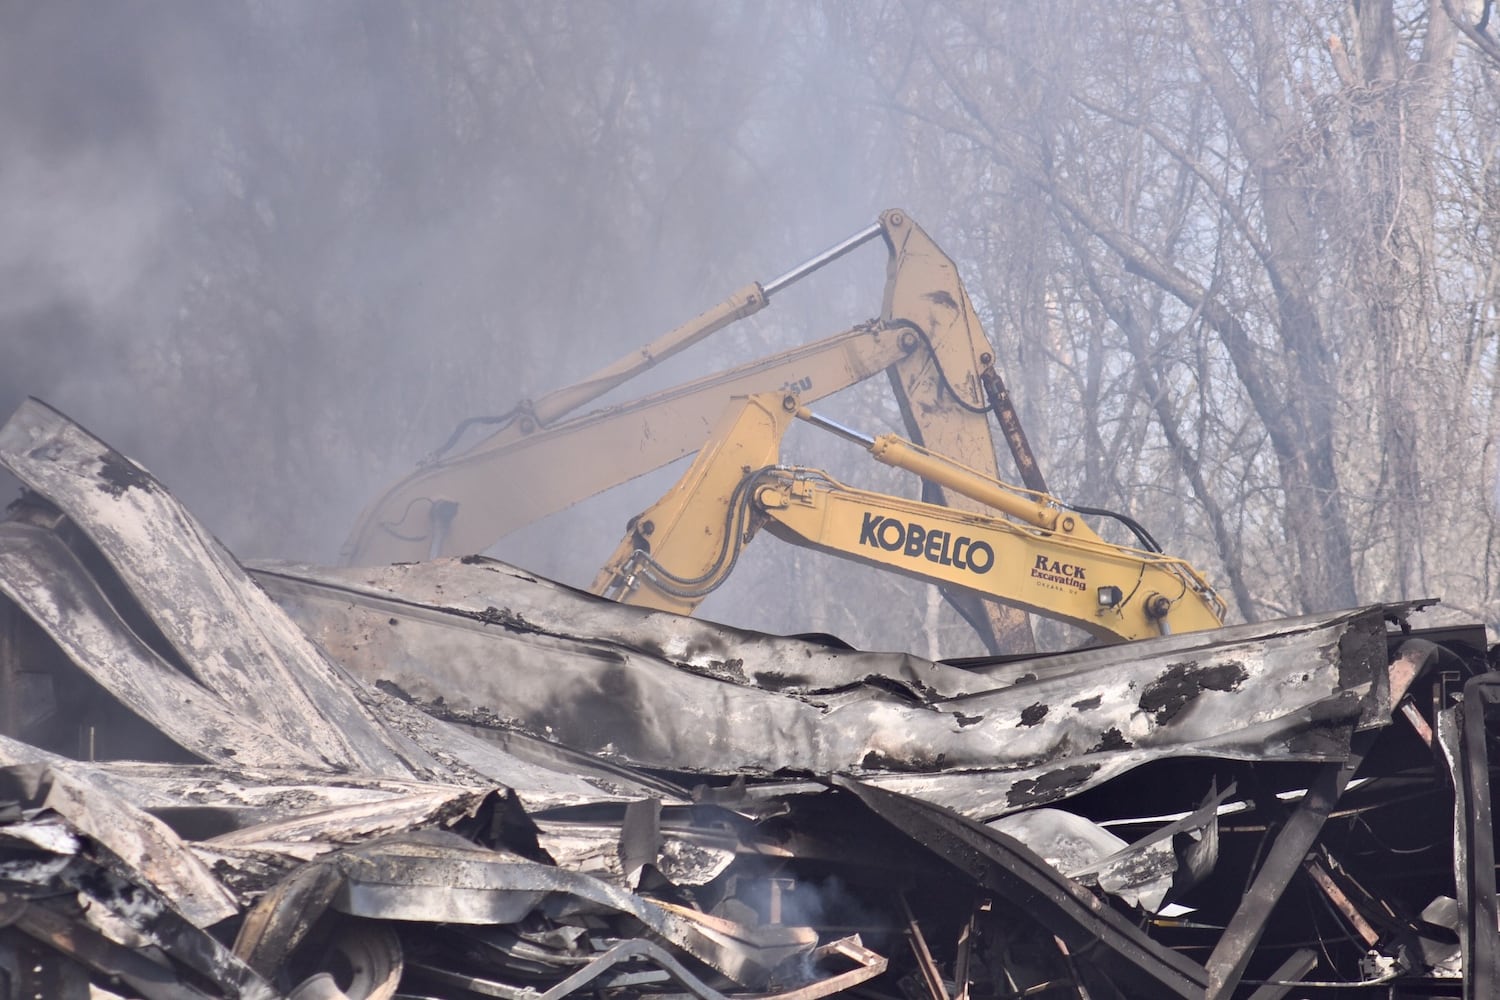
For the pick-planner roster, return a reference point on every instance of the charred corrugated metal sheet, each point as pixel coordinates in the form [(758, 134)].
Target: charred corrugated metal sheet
[(601, 799), (658, 691)]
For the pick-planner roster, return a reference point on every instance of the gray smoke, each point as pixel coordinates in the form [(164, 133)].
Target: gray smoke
[(275, 251)]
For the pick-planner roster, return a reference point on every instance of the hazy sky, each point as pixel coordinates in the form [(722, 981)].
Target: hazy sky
[(275, 250)]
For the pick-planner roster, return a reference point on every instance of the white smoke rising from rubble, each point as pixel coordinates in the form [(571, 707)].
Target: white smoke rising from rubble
[(276, 251), (84, 229)]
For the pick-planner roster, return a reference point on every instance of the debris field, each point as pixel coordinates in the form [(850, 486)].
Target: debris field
[(455, 779)]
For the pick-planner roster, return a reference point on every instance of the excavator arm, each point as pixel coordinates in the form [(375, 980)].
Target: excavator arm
[(543, 460), (545, 457), (1027, 550), (467, 502)]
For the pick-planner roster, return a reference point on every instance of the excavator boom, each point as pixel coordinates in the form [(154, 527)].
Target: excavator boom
[(1041, 557), (546, 457), (518, 476), (928, 338)]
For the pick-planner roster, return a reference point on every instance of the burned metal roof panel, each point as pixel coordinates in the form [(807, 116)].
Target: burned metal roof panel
[(482, 642)]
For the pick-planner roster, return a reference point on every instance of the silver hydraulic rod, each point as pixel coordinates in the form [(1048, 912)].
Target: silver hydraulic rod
[(828, 256), (899, 453), (745, 302), (847, 433)]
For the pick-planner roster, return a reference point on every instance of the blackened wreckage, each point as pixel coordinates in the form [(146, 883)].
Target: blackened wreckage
[(456, 779)]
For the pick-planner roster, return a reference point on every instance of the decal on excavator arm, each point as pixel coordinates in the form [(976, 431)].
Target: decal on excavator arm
[(1066, 574), (917, 542), (798, 385)]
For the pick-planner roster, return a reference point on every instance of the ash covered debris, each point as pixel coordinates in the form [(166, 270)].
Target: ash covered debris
[(455, 779)]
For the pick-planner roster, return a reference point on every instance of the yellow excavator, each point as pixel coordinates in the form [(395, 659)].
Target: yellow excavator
[(1028, 550), (545, 456)]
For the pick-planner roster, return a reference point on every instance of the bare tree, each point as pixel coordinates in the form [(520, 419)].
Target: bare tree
[(1256, 198)]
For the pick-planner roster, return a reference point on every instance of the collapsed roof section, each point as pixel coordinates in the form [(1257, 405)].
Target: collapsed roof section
[(676, 694), (454, 779)]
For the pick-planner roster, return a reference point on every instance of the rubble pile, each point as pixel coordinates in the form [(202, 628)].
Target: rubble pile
[(454, 779)]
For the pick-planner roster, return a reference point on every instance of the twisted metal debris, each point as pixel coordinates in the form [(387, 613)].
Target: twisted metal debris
[(455, 779)]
